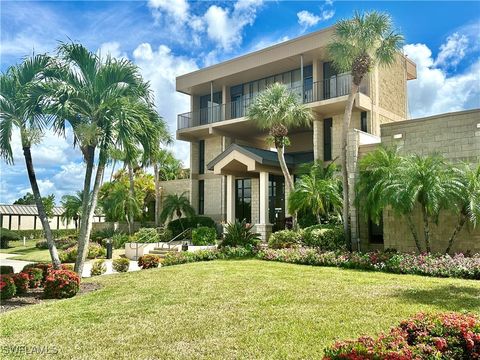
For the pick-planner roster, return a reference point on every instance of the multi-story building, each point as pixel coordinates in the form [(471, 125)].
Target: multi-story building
[(234, 173)]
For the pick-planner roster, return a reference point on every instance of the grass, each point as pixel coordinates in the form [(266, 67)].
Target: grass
[(230, 309)]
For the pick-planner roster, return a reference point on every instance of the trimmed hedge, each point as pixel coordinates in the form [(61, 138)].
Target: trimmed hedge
[(325, 237), (94, 251), (285, 239), (204, 235), (189, 223), (6, 236), (39, 234), (62, 243), (177, 258), (7, 287), (6, 270)]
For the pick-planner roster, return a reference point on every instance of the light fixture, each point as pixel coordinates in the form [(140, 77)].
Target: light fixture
[(397, 136)]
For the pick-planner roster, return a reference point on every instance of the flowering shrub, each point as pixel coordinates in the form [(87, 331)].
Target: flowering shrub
[(61, 284), (149, 261), (121, 264), (35, 277), (98, 268), (46, 267), (94, 251), (426, 264), (447, 336), (7, 287), (22, 281)]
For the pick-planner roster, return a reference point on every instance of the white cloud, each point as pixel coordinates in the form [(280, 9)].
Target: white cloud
[(306, 18), (178, 9), (111, 48), (453, 51)]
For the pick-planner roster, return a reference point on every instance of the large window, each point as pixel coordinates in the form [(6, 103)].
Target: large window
[(327, 139), (375, 231), (243, 199), (201, 157), (363, 121), (201, 197), (210, 111)]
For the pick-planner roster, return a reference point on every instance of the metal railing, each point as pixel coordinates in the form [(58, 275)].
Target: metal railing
[(330, 88)]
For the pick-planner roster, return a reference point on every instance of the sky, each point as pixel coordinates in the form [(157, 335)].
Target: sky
[(167, 38)]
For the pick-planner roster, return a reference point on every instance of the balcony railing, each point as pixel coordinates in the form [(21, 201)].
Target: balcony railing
[(333, 87)]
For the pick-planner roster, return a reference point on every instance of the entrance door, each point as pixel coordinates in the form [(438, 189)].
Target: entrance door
[(276, 201), (243, 200)]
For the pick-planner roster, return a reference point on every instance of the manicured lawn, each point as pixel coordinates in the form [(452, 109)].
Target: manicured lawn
[(28, 252), (230, 309)]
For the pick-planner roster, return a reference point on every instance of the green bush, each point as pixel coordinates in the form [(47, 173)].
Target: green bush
[(99, 235), (61, 284), (6, 269), (39, 234), (61, 243), (189, 223), (165, 235), (176, 258), (121, 265), (98, 268), (6, 236), (94, 251), (204, 236), (147, 235), (240, 234), (119, 240), (22, 281), (325, 238), (7, 287), (149, 261), (285, 239)]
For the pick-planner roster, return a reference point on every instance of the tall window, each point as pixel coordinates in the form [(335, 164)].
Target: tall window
[(327, 139), (375, 231), (243, 199), (201, 157), (201, 197), (209, 111), (363, 121)]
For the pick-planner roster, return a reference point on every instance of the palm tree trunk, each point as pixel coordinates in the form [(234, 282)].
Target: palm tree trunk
[(40, 207), (347, 117), (89, 159), (426, 229), (131, 191), (157, 195), (83, 247), (283, 166), (461, 221), (411, 225)]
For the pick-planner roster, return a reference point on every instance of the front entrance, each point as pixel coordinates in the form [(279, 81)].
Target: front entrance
[(276, 201), (243, 200)]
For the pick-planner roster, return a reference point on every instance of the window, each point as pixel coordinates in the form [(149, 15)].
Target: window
[(243, 199), (363, 121), (375, 231), (201, 197), (327, 139), (201, 157)]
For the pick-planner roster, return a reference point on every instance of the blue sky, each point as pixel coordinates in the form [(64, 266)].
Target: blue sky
[(169, 37)]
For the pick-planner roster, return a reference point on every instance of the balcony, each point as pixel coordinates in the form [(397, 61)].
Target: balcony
[(333, 87)]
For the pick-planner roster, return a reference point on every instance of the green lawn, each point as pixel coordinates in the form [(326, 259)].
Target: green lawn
[(230, 309), (28, 252)]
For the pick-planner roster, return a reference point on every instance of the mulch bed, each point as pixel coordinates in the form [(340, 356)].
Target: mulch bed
[(35, 296)]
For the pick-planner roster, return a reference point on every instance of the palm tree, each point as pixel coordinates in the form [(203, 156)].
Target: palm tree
[(176, 205), (17, 110), (72, 207), (89, 93), (318, 192), (358, 45), (277, 109), (467, 203)]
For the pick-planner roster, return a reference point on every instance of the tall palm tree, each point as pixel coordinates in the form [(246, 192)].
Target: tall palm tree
[(17, 110), (467, 203), (358, 45), (318, 192), (89, 93), (72, 207), (176, 205)]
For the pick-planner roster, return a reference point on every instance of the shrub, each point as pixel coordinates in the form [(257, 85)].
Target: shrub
[(436, 336), (39, 234), (35, 277), (94, 251), (285, 239), (21, 281), (121, 265), (165, 235), (149, 261), (189, 223), (6, 269), (46, 267), (7, 287), (176, 258), (325, 237), (119, 240), (239, 234), (147, 235), (98, 268), (6, 236), (61, 284), (61, 243), (99, 235), (204, 236)]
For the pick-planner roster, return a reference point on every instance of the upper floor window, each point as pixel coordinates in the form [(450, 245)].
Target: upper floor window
[(201, 197), (210, 110), (363, 121)]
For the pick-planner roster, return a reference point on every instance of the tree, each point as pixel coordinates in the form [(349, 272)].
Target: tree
[(29, 199), (72, 207), (19, 109), (176, 205), (358, 45), (277, 109), (317, 191), (467, 202)]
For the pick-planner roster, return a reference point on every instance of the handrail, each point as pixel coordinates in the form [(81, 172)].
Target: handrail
[(169, 243)]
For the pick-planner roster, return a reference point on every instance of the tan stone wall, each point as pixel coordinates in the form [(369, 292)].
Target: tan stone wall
[(300, 142), (392, 81), (255, 200)]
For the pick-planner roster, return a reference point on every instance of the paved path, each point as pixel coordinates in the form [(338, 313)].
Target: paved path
[(16, 264)]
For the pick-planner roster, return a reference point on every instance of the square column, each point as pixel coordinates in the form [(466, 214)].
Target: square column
[(264, 228), (230, 199)]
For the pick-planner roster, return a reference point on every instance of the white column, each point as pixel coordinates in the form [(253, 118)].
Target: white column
[(230, 198), (264, 198)]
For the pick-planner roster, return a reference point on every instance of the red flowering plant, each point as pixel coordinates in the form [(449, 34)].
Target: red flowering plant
[(22, 282), (7, 287), (46, 267), (449, 336), (35, 276), (149, 261), (61, 284)]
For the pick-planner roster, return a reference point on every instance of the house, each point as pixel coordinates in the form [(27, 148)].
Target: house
[(236, 175)]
